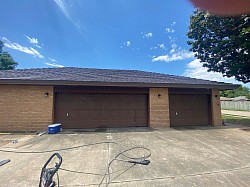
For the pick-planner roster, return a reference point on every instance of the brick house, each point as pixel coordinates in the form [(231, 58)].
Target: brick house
[(31, 99)]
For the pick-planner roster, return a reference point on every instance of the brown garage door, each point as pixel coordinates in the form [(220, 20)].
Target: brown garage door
[(189, 110), (101, 110)]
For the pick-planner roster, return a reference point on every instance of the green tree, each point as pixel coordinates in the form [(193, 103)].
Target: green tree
[(6, 60), (1, 46), (241, 91), (221, 43)]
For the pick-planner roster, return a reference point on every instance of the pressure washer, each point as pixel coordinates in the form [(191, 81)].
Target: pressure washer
[(47, 174)]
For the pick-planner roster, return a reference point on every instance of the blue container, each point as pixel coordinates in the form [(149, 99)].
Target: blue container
[(55, 128)]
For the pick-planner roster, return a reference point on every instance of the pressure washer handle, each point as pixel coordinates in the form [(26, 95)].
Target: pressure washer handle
[(46, 177), (52, 156)]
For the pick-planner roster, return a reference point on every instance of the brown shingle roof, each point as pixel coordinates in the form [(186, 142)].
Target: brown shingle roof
[(107, 77)]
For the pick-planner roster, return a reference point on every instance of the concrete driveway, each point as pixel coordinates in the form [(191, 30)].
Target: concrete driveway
[(200, 156)]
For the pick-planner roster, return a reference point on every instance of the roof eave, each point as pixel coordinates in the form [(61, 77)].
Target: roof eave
[(120, 84)]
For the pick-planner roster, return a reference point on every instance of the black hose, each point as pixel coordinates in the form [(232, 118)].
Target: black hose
[(55, 150), (133, 160)]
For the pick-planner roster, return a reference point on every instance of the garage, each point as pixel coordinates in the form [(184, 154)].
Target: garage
[(189, 109), (100, 98), (101, 110)]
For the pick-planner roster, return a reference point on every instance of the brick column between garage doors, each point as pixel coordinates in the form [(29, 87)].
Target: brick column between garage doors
[(25, 107), (158, 107), (216, 108)]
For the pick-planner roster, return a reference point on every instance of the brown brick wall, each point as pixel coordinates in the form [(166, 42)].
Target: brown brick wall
[(158, 107), (25, 108), (216, 108)]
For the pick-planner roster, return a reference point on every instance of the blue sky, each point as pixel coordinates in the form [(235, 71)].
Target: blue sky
[(116, 34)]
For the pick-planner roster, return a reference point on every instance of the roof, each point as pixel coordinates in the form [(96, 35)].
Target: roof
[(104, 77)]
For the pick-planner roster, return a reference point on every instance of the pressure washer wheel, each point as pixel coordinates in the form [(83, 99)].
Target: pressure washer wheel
[(47, 174)]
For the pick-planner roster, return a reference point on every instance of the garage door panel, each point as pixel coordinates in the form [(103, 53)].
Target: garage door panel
[(194, 106), (189, 123), (189, 110), (118, 106), (189, 113), (115, 106), (94, 113), (101, 110), (109, 122), (98, 105)]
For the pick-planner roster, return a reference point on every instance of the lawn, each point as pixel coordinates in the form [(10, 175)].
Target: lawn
[(235, 119)]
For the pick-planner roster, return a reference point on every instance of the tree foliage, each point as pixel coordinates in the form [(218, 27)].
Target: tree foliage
[(241, 91), (222, 43), (1, 46), (6, 60)]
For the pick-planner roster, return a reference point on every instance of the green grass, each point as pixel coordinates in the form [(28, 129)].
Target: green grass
[(235, 119)]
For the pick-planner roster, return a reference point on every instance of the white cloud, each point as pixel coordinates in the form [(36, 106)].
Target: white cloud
[(54, 65), (51, 59), (173, 48), (196, 70), (18, 47), (65, 10), (180, 55), (32, 40), (162, 46), (128, 43), (152, 48), (173, 24), (175, 53), (148, 35), (159, 46), (38, 46), (170, 30), (160, 58)]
